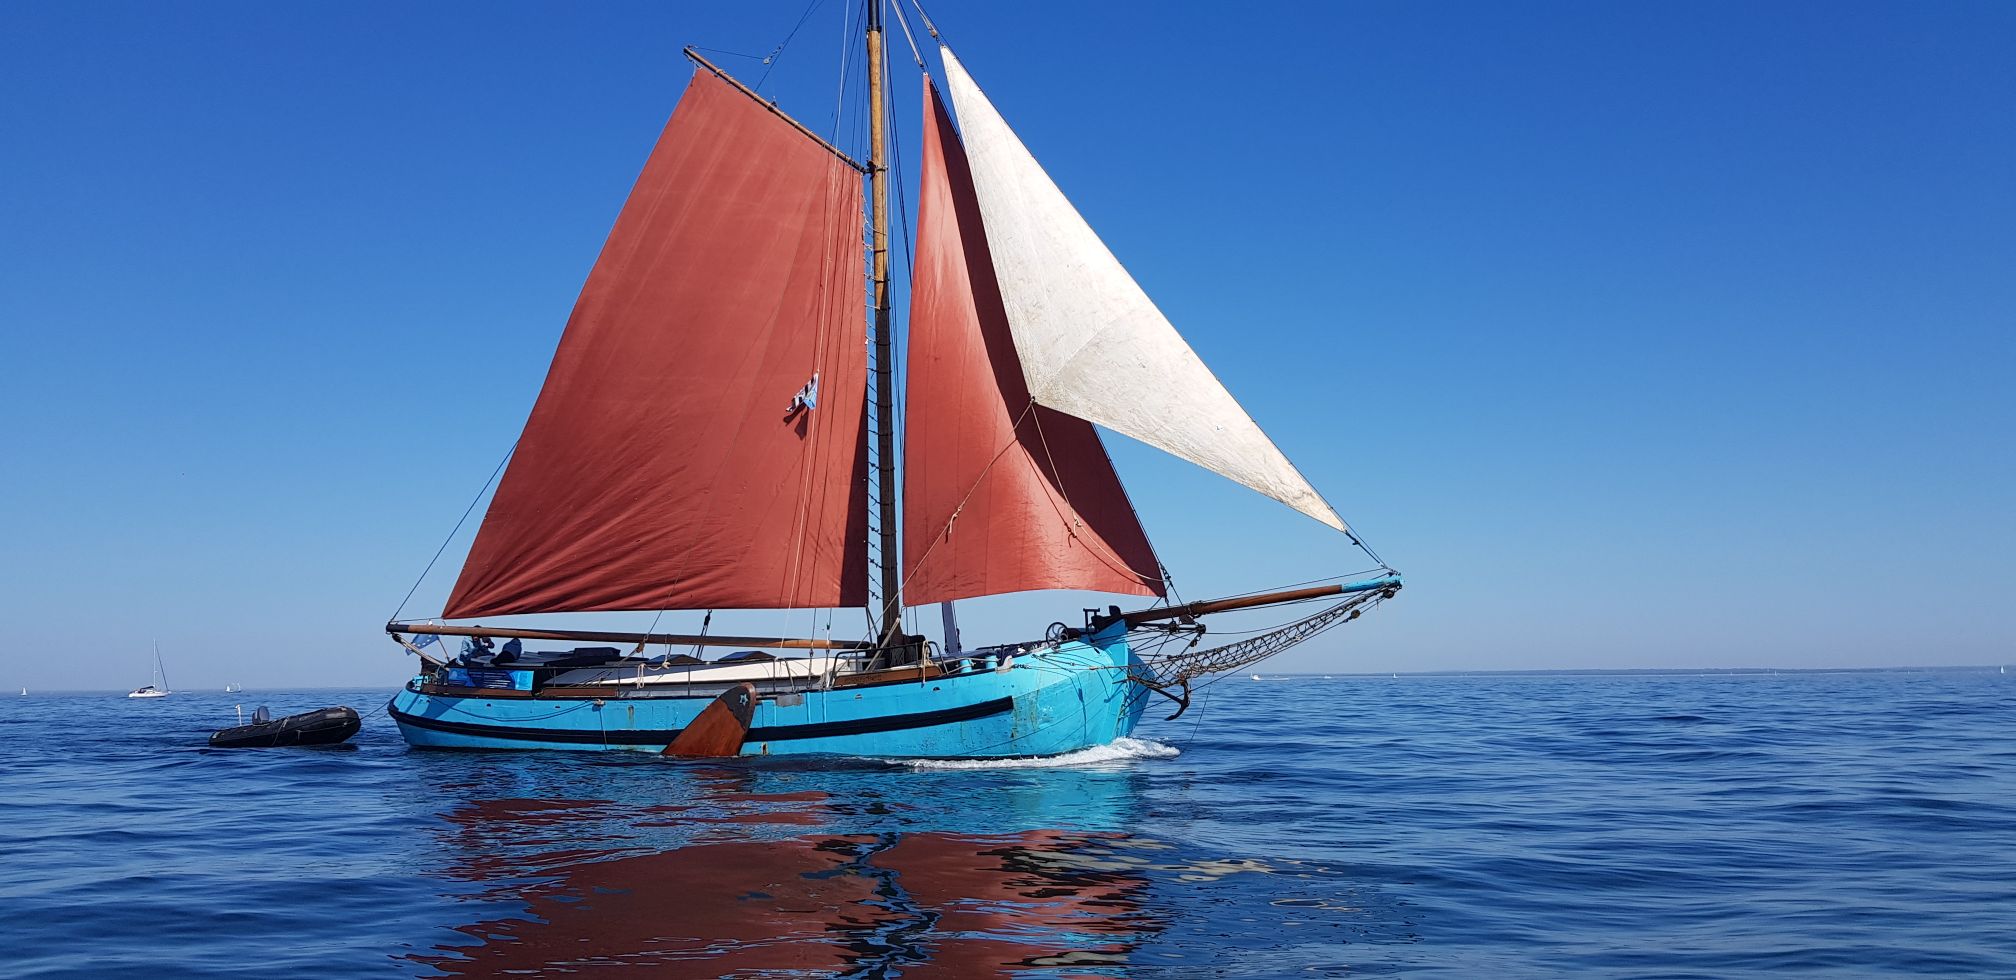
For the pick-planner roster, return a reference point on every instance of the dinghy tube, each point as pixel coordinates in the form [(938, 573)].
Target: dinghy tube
[(323, 726)]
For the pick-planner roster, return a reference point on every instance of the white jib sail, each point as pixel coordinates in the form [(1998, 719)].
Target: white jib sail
[(1092, 344)]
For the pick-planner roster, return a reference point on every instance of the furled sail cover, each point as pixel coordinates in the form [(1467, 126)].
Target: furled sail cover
[(990, 505), (668, 462), (1092, 343)]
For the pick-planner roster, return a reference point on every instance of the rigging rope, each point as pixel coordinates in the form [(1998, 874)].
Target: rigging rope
[(944, 533), (731, 54), (929, 27), (770, 60), (846, 66), (907, 36), (1072, 525), (1163, 672), (451, 534)]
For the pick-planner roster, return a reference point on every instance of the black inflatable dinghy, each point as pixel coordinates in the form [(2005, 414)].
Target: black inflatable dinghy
[(323, 726)]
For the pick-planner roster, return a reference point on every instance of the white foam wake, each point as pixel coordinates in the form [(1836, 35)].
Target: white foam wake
[(1117, 753)]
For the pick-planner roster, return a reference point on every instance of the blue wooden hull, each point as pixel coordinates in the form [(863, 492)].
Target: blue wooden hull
[(1046, 702)]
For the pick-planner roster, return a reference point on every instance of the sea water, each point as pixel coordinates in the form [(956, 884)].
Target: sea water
[(1476, 826)]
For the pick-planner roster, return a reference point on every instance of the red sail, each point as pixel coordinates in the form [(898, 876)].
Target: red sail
[(665, 465), (999, 494)]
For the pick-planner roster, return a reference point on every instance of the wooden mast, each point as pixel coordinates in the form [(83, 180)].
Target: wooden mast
[(884, 368)]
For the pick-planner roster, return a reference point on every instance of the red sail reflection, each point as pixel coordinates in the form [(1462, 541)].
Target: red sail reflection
[(923, 904)]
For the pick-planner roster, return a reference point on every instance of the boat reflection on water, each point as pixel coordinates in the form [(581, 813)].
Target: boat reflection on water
[(741, 882)]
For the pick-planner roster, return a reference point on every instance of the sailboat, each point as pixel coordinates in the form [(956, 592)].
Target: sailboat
[(158, 689), (702, 442)]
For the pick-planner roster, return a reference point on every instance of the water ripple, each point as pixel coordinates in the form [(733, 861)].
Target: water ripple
[(1634, 826)]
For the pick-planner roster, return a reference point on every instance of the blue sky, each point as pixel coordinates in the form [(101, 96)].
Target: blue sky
[(1636, 335)]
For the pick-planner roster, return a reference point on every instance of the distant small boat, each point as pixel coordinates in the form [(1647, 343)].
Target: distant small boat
[(158, 689), (24, 692), (1256, 677), (233, 688)]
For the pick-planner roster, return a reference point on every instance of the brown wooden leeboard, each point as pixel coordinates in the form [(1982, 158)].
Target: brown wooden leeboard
[(719, 729)]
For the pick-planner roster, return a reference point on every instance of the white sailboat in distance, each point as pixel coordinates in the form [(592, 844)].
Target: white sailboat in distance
[(158, 689)]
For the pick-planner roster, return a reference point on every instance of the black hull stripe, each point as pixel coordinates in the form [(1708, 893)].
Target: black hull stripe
[(664, 736)]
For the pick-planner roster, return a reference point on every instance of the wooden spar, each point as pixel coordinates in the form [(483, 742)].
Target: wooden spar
[(680, 639), (767, 104), (1194, 609), (1226, 605), (885, 371)]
